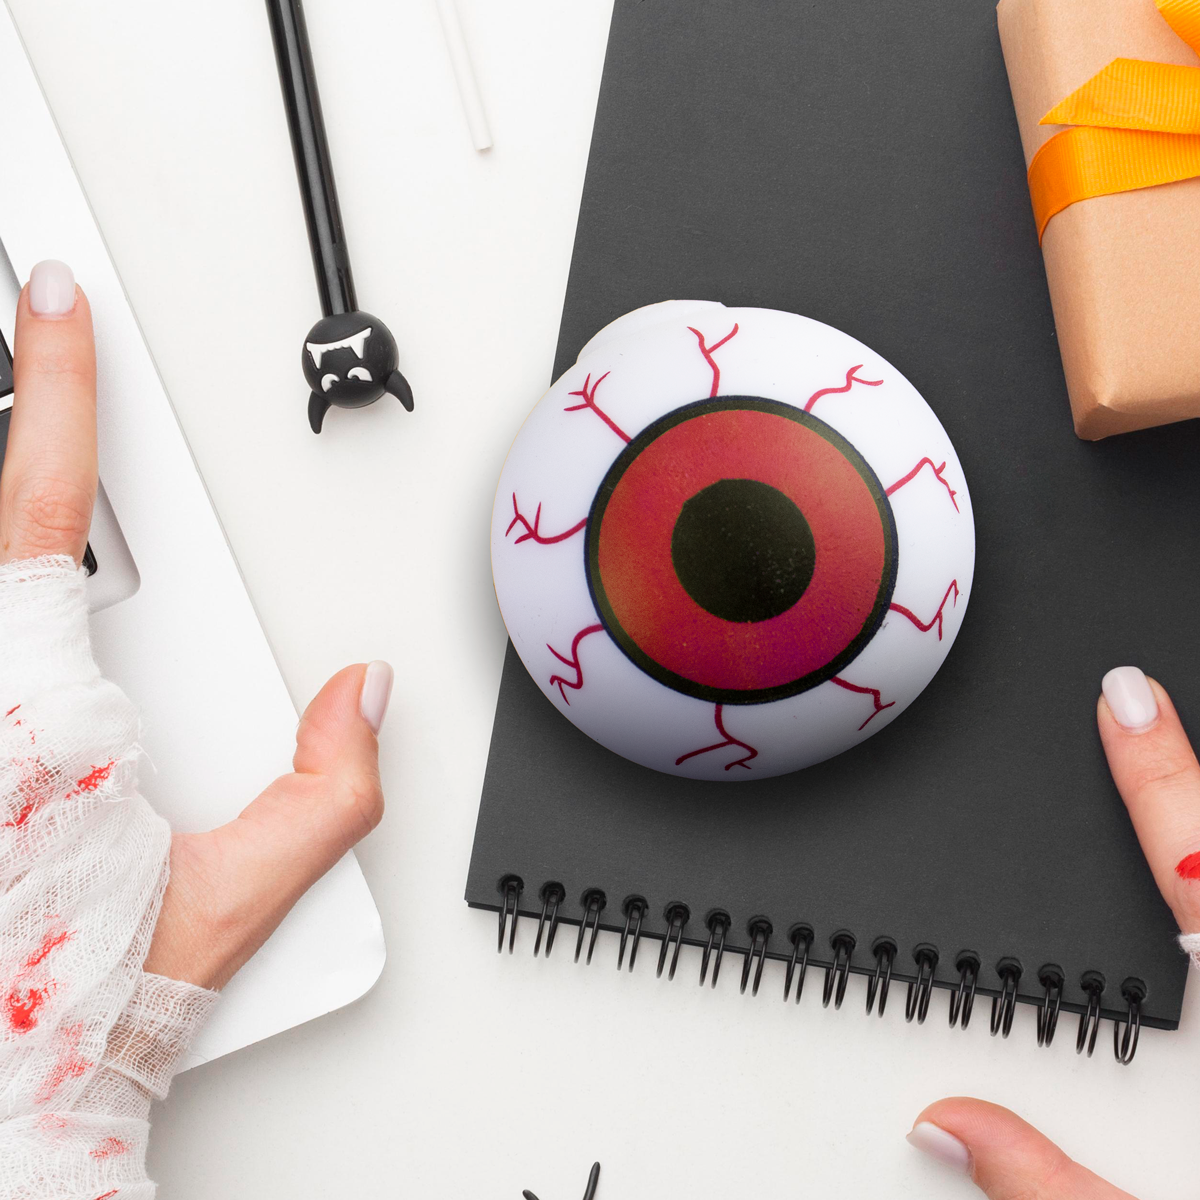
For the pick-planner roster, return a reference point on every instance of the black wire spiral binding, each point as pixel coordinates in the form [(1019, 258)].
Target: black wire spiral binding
[(593, 902), (760, 933), (798, 935), (1125, 1044), (916, 1003), (676, 916), (1051, 978), (962, 1000), (718, 927), (801, 937), (511, 887), (1005, 1004), (884, 950), (635, 909), (838, 972), (1092, 983), (553, 894)]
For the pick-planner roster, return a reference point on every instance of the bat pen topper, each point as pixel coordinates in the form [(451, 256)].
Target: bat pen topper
[(349, 358)]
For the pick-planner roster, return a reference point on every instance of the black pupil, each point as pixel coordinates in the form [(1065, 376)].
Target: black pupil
[(743, 551)]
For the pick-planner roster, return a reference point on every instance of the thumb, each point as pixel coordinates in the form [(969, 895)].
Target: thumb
[(307, 820), (1007, 1158), (339, 727), (229, 888)]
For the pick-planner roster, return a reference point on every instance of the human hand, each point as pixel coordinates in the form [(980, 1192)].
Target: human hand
[(1156, 772), (229, 888)]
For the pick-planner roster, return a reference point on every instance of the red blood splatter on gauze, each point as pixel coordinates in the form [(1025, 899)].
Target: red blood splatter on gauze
[(110, 1147), (50, 943), (106, 1195), (22, 1007), (23, 1002), (68, 1066), (1189, 868), (91, 781), (12, 710), (35, 789)]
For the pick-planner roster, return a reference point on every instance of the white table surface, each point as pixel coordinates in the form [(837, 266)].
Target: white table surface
[(463, 1073)]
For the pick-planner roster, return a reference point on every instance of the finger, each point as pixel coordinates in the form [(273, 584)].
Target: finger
[(1156, 772), (49, 480), (1005, 1156)]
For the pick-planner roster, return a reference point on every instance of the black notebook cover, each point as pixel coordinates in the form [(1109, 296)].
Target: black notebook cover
[(860, 164)]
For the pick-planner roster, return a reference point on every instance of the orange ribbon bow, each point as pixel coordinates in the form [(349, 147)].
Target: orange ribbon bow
[(1134, 125)]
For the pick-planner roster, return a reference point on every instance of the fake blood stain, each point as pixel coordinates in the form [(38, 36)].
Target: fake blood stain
[(70, 1065), (1189, 868), (24, 1002), (35, 789), (110, 1147), (97, 775), (22, 1008)]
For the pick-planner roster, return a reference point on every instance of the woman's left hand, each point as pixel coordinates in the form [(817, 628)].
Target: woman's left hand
[(1156, 772)]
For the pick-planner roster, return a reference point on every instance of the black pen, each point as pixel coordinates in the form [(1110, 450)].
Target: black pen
[(350, 357)]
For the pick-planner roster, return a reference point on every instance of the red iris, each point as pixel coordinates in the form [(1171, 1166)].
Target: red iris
[(741, 550)]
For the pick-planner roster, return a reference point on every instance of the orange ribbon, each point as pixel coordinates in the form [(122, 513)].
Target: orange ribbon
[(1134, 125)]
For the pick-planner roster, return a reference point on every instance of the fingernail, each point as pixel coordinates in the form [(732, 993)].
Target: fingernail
[(1130, 699), (939, 1144), (376, 692), (51, 289)]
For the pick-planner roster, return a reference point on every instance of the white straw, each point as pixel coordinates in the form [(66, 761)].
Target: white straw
[(468, 88)]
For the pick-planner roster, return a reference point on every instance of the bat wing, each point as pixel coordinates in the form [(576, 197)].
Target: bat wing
[(318, 406)]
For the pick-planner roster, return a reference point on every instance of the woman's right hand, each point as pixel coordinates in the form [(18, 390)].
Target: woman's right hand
[(230, 887), (1157, 774)]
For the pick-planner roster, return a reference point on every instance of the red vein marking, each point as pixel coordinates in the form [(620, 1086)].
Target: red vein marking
[(851, 380), (588, 392), (110, 1147), (709, 351), (533, 532), (729, 740), (926, 462), (1189, 867), (872, 692), (68, 1066), (11, 711), (573, 662), (937, 616)]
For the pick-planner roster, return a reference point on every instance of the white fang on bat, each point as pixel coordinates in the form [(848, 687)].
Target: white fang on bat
[(355, 342)]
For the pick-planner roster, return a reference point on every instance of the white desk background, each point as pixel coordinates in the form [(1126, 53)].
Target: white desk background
[(464, 1074)]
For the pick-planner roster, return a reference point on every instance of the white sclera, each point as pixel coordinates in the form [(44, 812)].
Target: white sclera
[(654, 364)]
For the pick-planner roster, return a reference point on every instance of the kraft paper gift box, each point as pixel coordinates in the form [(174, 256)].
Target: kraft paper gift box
[(1123, 268)]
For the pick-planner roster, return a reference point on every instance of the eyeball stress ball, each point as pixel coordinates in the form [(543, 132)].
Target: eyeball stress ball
[(731, 542)]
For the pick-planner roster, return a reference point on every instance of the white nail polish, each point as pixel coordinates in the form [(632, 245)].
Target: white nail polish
[(1130, 699), (51, 289), (939, 1144), (376, 692)]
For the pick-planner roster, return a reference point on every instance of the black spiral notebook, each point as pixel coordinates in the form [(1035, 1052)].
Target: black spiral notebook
[(860, 164)]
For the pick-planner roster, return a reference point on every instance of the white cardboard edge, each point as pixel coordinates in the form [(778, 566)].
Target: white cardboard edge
[(330, 950)]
